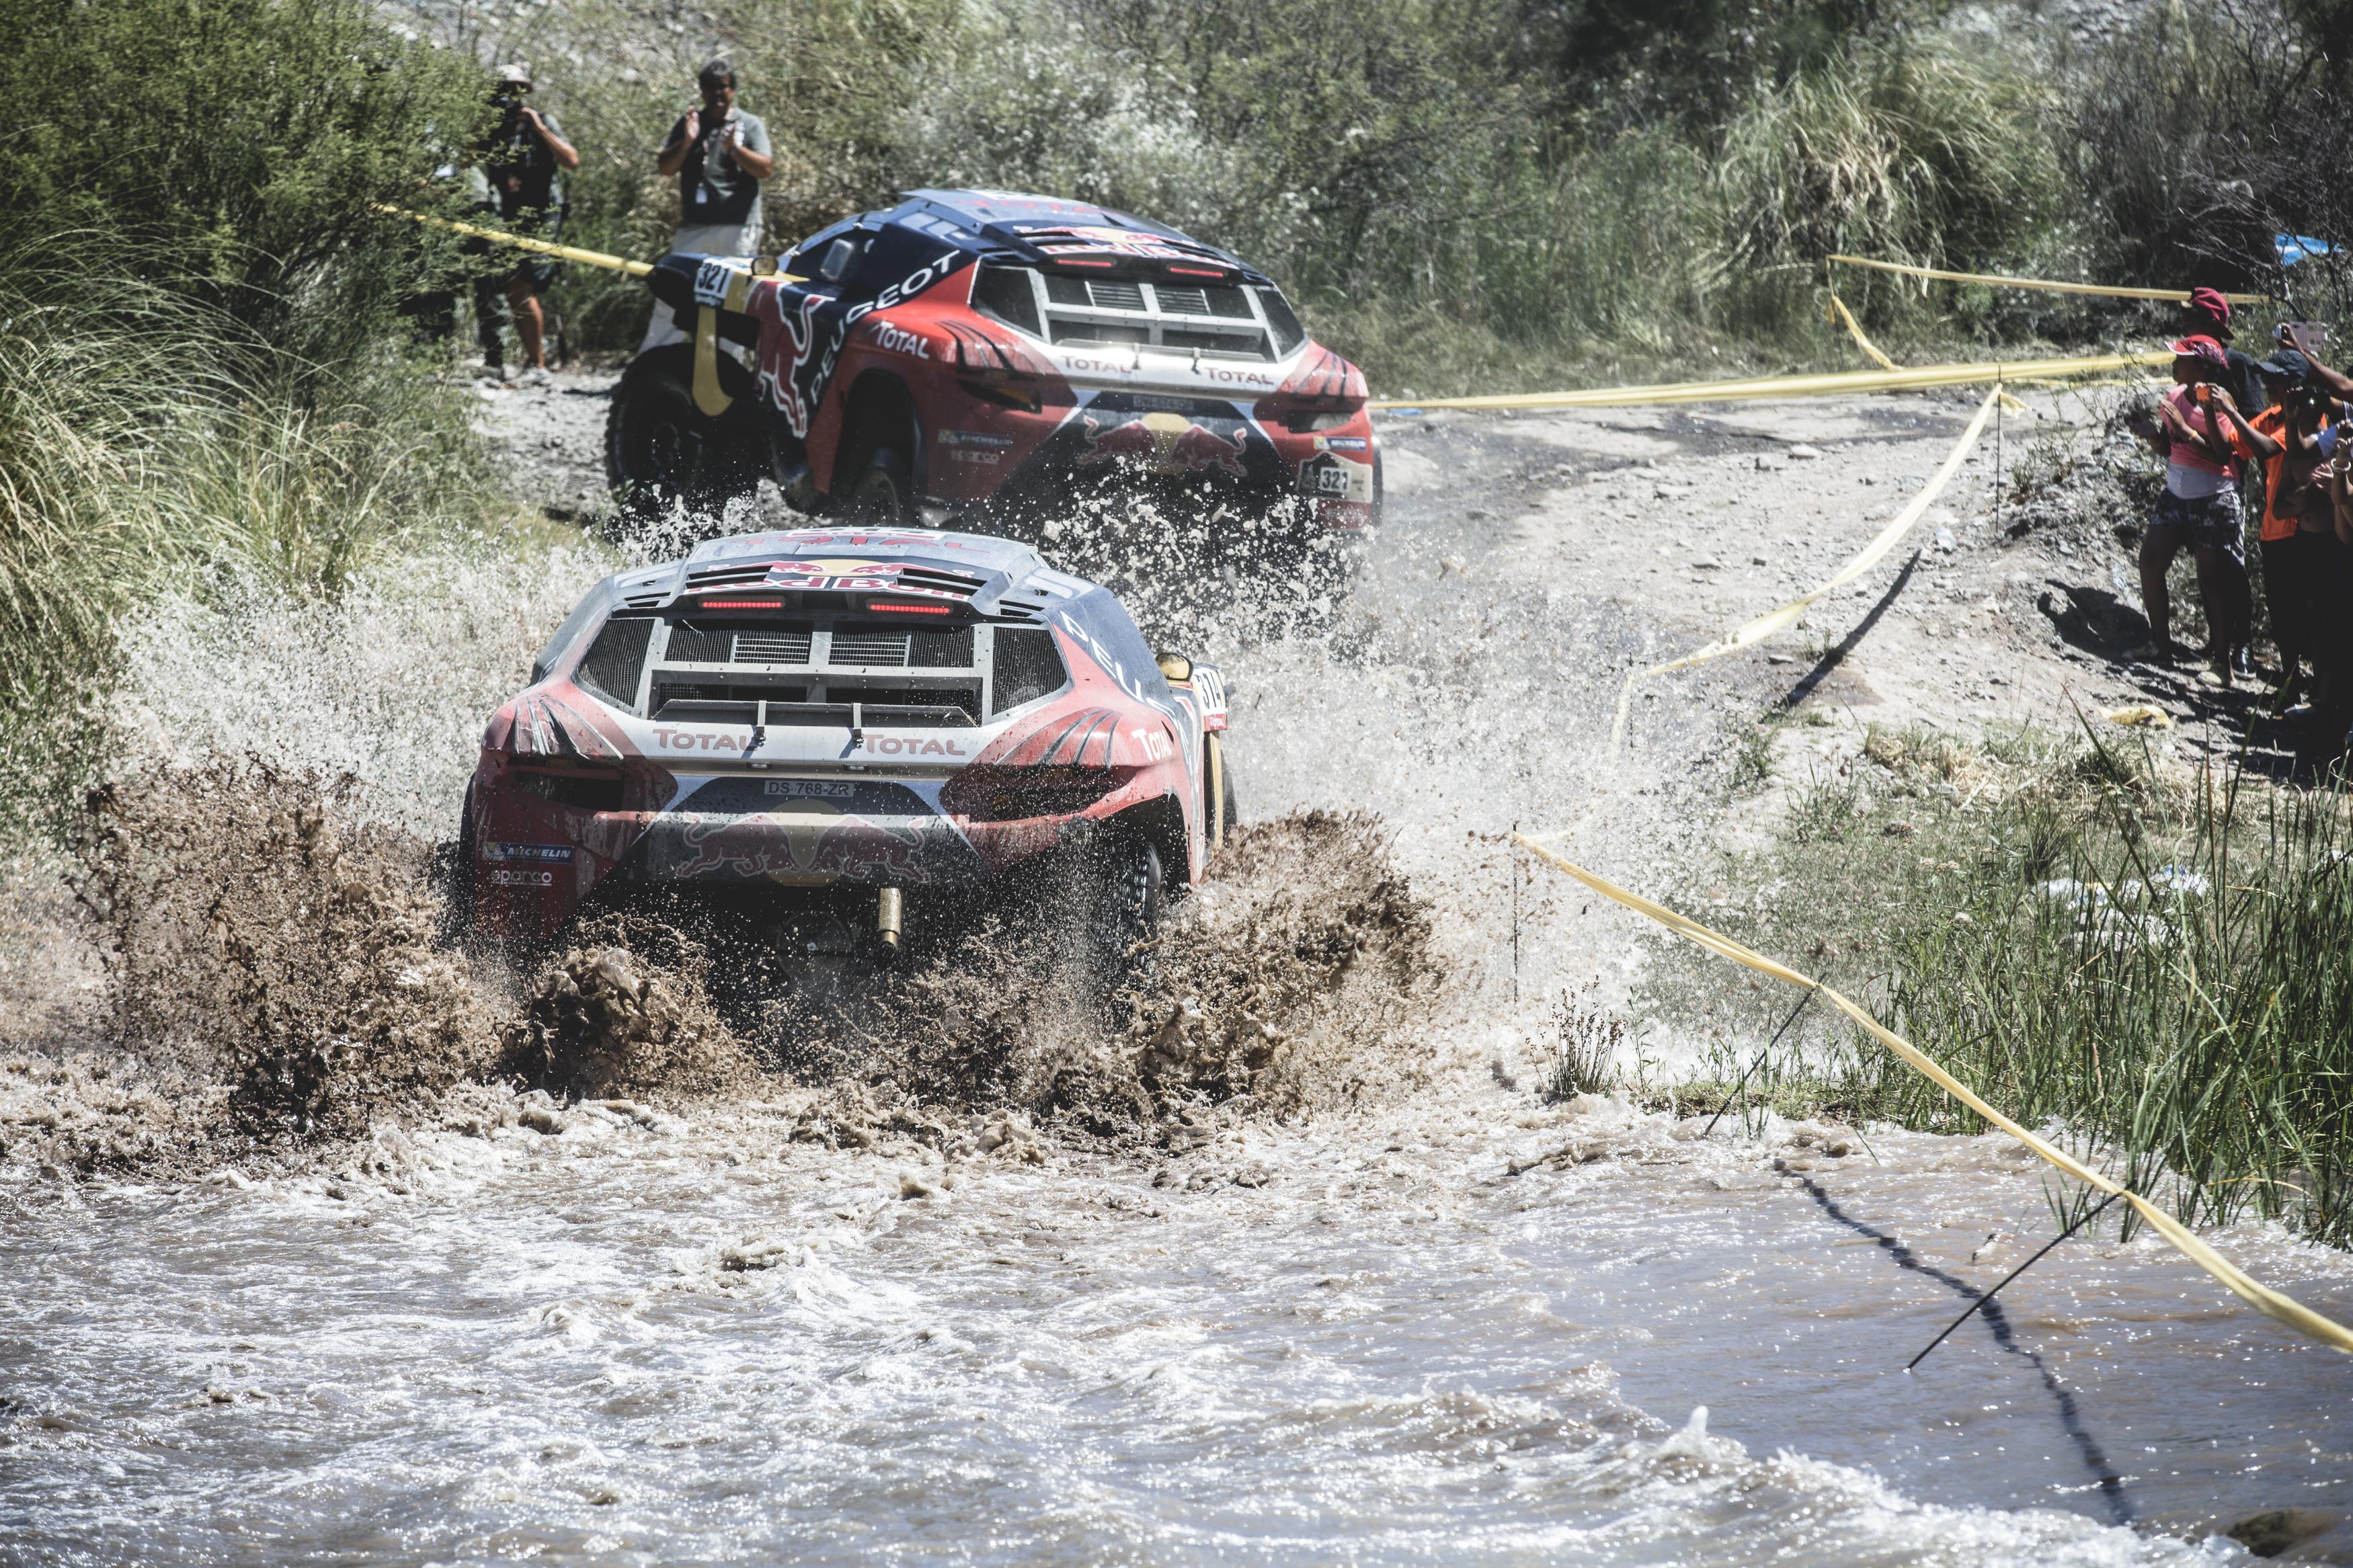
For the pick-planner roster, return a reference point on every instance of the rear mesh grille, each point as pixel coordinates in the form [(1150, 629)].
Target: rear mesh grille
[(772, 648), (870, 649), (1215, 318)]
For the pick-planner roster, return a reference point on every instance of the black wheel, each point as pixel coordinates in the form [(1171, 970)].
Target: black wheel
[(458, 884), (1230, 816), (1130, 895), (661, 449), (884, 494)]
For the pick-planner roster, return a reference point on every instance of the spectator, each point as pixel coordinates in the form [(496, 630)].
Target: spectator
[(720, 155), (2199, 505), (525, 158), (2208, 315), (2291, 548)]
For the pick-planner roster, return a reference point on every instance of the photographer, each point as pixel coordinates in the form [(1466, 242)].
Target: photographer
[(2291, 540), (525, 158), (2199, 434), (720, 155)]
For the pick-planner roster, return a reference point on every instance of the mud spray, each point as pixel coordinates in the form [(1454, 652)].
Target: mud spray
[(325, 1237)]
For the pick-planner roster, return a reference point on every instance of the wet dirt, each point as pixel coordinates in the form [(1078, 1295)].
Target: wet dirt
[(1289, 1260)]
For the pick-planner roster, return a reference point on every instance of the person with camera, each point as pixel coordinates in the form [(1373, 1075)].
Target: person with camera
[(2290, 547), (2200, 432), (524, 159)]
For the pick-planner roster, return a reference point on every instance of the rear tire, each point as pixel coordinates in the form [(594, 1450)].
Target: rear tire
[(1220, 793), (661, 451), (884, 493), (1229, 815), (1129, 896)]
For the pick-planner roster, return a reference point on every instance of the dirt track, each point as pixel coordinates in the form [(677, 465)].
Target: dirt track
[(1689, 520)]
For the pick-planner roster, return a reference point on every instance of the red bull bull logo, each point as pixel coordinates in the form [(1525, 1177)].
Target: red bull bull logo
[(807, 843), (1162, 444)]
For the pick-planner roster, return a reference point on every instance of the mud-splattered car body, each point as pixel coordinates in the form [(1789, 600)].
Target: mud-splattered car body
[(836, 707), (984, 355)]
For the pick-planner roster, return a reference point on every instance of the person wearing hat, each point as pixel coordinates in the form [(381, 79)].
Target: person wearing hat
[(525, 158), (2200, 432), (2207, 314)]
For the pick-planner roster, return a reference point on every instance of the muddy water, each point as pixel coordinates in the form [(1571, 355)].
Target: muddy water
[(1361, 1338), (1381, 1353)]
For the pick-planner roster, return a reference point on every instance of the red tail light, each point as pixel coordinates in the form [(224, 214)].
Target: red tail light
[(742, 604), (911, 609)]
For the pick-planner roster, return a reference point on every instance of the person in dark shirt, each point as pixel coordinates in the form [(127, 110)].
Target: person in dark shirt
[(719, 155), (524, 159)]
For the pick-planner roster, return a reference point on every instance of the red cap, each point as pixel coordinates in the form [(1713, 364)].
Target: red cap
[(2201, 347), (2210, 304)]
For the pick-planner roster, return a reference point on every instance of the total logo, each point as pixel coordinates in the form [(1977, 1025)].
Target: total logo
[(898, 339), (1162, 444)]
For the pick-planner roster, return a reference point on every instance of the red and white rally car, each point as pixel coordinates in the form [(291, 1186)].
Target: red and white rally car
[(986, 356), (853, 728)]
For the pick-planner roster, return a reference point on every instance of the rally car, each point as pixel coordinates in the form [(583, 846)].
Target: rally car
[(983, 356), (849, 729)]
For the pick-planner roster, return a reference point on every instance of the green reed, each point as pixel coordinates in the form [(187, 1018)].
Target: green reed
[(2170, 978)]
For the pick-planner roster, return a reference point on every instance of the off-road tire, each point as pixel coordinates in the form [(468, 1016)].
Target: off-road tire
[(1128, 895), (883, 494), (661, 449), (1229, 815)]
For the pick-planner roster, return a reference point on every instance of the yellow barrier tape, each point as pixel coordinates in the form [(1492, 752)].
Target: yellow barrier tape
[(523, 242), (1773, 620), (1825, 385), (2048, 286), (2261, 1297), (1839, 312)]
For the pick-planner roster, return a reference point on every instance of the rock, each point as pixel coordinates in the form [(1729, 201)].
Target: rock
[(1838, 1150), (755, 1254), (1803, 452), (1899, 830), (911, 1186), (539, 1118), (2272, 1532)]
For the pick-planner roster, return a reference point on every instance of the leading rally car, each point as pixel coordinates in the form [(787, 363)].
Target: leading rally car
[(982, 355), (843, 722)]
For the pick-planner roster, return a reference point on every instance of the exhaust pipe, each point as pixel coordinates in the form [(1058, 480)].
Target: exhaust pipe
[(889, 909)]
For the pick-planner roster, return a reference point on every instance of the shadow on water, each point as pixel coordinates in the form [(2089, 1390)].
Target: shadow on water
[(1997, 1321)]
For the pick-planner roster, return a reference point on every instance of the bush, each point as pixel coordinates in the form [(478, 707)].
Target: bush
[(229, 150)]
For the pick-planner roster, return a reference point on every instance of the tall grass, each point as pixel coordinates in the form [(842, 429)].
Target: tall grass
[(2157, 960), (149, 440), (2174, 980)]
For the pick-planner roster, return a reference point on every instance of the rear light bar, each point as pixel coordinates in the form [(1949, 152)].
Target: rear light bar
[(911, 609), (1195, 272), (742, 605)]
